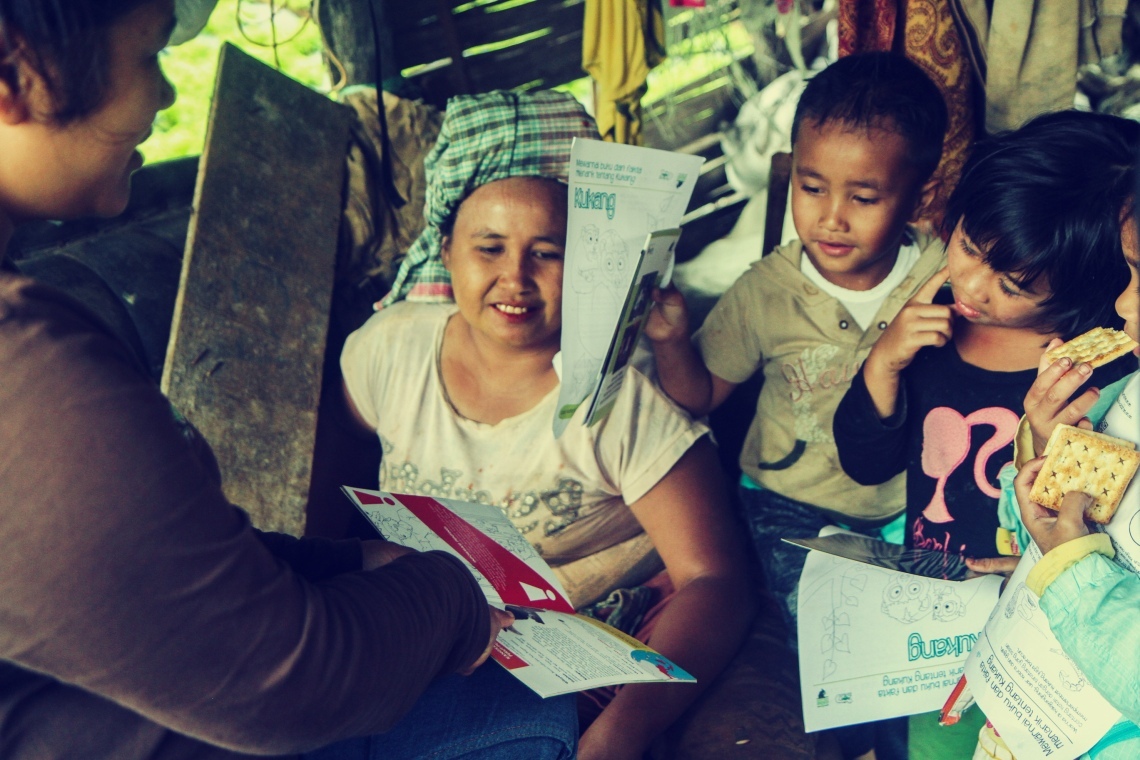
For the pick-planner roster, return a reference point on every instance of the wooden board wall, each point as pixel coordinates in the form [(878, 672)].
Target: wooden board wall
[(250, 321)]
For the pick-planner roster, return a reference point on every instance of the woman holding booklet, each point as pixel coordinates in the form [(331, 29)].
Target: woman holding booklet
[(463, 397)]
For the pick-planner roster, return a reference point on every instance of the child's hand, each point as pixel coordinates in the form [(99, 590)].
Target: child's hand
[(980, 566), (919, 324), (668, 320), (1047, 402), (1050, 529)]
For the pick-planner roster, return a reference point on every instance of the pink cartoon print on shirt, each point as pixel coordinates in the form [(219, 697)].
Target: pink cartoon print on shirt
[(946, 443)]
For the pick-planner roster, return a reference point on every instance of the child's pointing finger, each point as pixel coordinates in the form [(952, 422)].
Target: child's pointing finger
[(931, 287)]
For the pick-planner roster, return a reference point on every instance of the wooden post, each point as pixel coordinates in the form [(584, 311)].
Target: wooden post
[(247, 343), (350, 31)]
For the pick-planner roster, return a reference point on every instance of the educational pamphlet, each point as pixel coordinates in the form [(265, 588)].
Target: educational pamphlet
[(619, 194), (1036, 697), (549, 647), (876, 642), (653, 265)]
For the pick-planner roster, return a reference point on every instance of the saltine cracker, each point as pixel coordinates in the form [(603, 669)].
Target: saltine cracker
[(1092, 463)]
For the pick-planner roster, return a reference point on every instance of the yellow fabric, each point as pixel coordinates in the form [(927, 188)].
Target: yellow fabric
[(1023, 444), (621, 41), (1062, 557)]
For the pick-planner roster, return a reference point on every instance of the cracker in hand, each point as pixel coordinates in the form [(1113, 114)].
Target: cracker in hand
[(1098, 346), (1092, 463)]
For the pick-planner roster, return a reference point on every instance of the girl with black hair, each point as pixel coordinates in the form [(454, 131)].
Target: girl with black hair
[(1034, 246)]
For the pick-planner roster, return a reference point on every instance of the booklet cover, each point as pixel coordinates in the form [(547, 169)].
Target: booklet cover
[(619, 194), (654, 265), (877, 641), (549, 647)]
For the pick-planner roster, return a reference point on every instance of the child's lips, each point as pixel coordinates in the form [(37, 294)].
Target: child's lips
[(834, 249), (969, 312)]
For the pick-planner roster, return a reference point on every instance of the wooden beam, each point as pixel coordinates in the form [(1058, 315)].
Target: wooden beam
[(251, 317)]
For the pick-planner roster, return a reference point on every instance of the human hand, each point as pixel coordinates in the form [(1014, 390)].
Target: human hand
[(1047, 403), (668, 320), (378, 553), (980, 566), (920, 323), (1050, 529), (500, 619)]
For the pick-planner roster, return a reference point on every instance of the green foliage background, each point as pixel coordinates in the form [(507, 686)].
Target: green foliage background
[(191, 68)]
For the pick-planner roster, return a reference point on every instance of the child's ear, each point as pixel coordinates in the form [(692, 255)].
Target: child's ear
[(13, 103), (925, 200)]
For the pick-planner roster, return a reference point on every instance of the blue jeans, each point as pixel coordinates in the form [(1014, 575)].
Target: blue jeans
[(772, 517), (488, 714)]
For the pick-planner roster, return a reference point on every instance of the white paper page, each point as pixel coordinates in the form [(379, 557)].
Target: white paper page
[(618, 195), (877, 643), (1035, 696), (656, 260), (1123, 421), (554, 653)]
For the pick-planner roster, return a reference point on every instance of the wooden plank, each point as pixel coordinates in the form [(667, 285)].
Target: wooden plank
[(487, 25), (250, 321)]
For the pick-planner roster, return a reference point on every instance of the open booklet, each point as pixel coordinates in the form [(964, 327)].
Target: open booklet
[(883, 631), (619, 194), (549, 647)]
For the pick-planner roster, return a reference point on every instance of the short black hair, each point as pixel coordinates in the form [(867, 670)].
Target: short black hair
[(883, 91), (65, 43), (1047, 201)]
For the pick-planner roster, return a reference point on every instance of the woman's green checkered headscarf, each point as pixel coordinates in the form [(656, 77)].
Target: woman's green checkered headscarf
[(484, 138)]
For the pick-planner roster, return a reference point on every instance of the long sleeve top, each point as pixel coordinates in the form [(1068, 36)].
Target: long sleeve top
[(141, 617)]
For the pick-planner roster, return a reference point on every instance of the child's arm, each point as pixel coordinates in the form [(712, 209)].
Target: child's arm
[(680, 368), (1092, 603), (919, 324)]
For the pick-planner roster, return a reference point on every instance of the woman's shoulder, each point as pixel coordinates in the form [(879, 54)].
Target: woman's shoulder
[(406, 319)]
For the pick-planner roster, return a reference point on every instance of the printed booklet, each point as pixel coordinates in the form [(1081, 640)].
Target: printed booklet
[(619, 194), (883, 631), (550, 648)]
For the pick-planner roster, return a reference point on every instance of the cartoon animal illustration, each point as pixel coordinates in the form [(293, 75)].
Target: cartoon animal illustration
[(1071, 678), (947, 606), (907, 600)]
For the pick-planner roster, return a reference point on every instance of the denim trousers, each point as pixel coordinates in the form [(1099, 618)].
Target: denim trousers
[(489, 714), (771, 518)]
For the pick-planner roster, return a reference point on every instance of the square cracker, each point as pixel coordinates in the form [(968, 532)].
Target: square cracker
[(1098, 346), (1093, 463)]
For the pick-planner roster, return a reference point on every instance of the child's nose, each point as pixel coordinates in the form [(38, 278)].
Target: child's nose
[(833, 216)]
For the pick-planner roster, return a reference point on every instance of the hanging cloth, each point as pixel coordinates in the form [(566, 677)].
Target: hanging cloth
[(621, 41), (1027, 52), (925, 32)]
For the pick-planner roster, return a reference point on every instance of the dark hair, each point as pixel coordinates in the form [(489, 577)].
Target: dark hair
[(65, 43), (884, 91), (1046, 201)]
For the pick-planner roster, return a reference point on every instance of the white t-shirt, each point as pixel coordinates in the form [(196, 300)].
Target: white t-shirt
[(864, 304), (567, 495)]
